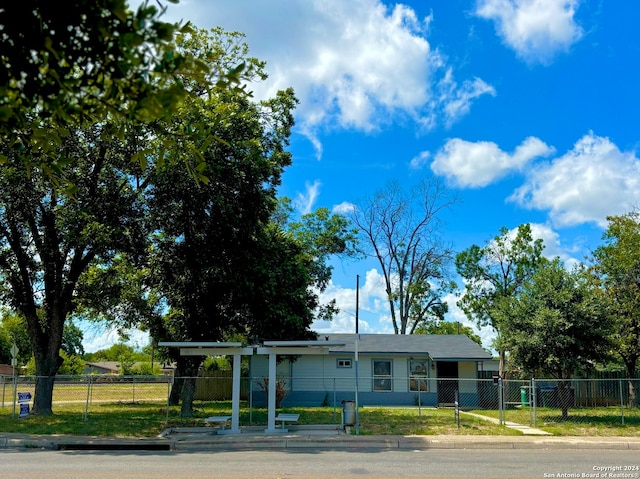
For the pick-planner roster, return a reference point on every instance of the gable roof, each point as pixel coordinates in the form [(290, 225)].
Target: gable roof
[(440, 347)]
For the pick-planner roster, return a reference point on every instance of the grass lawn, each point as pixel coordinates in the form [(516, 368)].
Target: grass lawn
[(599, 421), (428, 421), (148, 419)]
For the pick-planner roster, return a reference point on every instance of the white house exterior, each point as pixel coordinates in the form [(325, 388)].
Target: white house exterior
[(391, 369)]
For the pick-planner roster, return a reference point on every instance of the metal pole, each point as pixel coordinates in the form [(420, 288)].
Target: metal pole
[(14, 363), (357, 299), (357, 414), (86, 404), (15, 392), (251, 401), (534, 394), (334, 402), (356, 354), (621, 401), (500, 394), (169, 382)]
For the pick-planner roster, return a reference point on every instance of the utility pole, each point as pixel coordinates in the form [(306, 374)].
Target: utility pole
[(357, 299)]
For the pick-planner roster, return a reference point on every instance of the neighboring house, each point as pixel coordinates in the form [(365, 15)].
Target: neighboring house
[(6, 370), (113, 367), (103, 367), (392, 370), (488, 369)]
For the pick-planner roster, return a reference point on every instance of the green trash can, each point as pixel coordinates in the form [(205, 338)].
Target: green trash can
[(524, 396)]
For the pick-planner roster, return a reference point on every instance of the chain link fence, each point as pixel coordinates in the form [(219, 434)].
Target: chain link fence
[(533, 402), (544, 402)]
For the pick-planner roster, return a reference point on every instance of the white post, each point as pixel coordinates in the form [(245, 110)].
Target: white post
[(271, 423), (235, 395)]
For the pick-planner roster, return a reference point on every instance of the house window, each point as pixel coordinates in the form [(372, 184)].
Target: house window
[(382, 375), (418, 375), (344, 363)]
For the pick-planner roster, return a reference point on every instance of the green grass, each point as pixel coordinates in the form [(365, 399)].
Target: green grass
[(597, 421), (428, 421), (149, 418)]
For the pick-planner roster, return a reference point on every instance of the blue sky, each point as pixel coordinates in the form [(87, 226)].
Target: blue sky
[(526, 109)]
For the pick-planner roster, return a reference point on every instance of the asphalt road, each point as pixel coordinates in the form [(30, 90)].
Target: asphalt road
[(374, 464)]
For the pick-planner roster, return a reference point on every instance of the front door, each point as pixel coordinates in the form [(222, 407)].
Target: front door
[(447, 382)]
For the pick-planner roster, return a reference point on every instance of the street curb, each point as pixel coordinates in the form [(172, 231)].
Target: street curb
[(228, 443)]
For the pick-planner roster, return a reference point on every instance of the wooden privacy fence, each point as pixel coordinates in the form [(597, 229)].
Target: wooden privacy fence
[(218, 386)]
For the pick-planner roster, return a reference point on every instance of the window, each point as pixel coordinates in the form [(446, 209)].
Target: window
[(382, 375), (418, 375), (344, 363)]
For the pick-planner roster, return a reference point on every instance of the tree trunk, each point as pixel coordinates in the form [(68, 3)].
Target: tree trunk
[(176, 390), (188, 394), (630, 362), (178, 380), (632, 393), (43, 397), (191, 365), (48, 361), (565, 398)]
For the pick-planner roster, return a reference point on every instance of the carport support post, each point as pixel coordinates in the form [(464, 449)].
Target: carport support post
[(271, 423), (235, 394)]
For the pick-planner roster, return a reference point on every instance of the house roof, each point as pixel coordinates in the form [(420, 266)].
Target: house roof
[(440, 347)]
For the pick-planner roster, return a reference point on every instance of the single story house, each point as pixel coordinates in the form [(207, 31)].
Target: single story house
[(102, 367), (113, 367), (391, 370)]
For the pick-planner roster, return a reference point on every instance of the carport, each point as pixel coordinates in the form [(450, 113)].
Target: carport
[(219, 349), (269, 348)]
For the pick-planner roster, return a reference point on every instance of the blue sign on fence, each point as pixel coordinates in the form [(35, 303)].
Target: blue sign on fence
[(23, 400), (24, 397), (24, 409)]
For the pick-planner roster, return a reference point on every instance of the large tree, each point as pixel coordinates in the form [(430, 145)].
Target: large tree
[(449, 327), (400, 230), (557, 326), (617, 264), (48, 239), (494, 275), (77, 64), (204, 234), (321, 235)]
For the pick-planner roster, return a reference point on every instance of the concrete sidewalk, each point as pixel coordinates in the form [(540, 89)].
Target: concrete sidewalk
[(303, 437)]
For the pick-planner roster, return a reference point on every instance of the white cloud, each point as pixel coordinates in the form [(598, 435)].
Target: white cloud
[(343, 208), (553, 248), (455, 314), (469, 164), (373, 311), (354, 64), (593, 180), (304, 201), (418, 161), (536, 29), (457, 101)]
